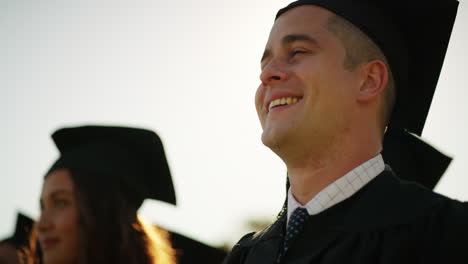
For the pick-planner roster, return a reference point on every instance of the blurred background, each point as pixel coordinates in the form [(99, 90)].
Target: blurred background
[(187, 70)]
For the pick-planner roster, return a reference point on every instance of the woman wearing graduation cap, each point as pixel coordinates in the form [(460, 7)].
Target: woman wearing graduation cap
[(91, 195)]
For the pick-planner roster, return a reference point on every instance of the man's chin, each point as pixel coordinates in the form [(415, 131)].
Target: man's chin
[(272, 139)]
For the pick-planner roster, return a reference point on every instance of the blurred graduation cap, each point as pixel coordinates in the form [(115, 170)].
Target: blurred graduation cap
[(414, 36), (23, 230), (191, 251), (134, 157)]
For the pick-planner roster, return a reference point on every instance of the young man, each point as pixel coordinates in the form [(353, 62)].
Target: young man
[(336, 75)]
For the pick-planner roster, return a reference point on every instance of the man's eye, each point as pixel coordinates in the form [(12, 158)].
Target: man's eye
[(297, 51)]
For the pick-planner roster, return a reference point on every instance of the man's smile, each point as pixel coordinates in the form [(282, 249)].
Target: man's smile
[(282, 102)]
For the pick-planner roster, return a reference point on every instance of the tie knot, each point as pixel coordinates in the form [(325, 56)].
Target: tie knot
[(298, 216), (295, 225)]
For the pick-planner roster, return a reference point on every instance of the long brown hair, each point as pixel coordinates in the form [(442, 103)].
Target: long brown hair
[(111, 232)]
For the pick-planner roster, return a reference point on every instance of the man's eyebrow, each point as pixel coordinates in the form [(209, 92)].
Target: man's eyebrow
[(288, 39)]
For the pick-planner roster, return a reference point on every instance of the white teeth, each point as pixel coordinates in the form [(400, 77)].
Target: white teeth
[(283, 101)]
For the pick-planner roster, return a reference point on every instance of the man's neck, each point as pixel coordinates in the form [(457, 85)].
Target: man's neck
[(309, 177)]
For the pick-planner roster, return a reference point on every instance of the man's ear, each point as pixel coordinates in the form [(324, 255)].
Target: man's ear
[(374, 80)]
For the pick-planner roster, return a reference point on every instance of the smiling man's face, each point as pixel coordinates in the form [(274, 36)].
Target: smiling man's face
[(305, 95)]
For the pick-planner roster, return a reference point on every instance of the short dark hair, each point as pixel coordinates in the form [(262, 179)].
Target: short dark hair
[(359, 49)]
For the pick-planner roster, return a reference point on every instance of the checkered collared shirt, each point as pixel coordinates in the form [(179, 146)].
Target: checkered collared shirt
[(340, 189)]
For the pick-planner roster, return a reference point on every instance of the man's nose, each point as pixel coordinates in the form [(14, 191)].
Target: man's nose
[(273, 73)]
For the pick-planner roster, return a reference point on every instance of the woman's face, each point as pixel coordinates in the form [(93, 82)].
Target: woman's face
[(58, 223)]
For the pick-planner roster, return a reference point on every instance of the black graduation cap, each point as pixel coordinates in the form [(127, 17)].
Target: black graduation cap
[(191, 251), (414, 36), (134, 157), (22, 233), (413, 159)]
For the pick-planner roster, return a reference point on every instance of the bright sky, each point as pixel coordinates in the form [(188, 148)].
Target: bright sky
[(187, 70)]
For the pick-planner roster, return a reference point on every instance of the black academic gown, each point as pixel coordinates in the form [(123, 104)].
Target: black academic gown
[(388, 221)]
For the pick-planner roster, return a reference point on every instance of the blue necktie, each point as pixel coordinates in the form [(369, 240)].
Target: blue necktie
[(295, 225)]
